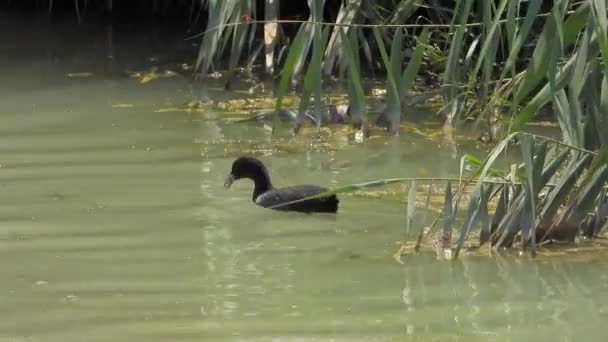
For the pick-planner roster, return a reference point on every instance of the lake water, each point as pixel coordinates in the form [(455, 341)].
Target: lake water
[(115, 226)]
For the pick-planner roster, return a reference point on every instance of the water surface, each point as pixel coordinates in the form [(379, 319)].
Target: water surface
[(114, 225)]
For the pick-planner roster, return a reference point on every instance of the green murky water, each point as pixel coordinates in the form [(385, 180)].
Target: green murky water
[(114, 225)]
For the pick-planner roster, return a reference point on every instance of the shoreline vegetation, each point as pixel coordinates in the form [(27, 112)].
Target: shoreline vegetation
[(497, 65)]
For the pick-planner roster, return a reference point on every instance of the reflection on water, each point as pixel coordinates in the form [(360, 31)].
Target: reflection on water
[(114, 225)]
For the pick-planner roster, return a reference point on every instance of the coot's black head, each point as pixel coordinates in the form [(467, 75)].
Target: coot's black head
[(249, 167)]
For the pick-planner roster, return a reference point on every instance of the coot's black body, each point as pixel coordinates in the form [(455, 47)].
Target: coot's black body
[(265, 195)]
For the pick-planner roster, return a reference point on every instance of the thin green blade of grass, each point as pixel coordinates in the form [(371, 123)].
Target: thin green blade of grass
[(484, 216), (448, 217), (602, 110), (501, 210), (511, 23), (489, 161), (252, 12), (500, 227), (387, 64), (600, 221), (558, 195), (596, 129), (348, 189), (556, 46), (545, 94), (410, 72), (469, 221), (367, 50), (528, 231), (591, 188), (319, 42), (484, 53), (219, 12), (286, 73), (599, 160), (396, 56), (471, 159), (553, 166), (510, 226), (394, 100), (253, 56), (393, 104), (599, 14), (532, 175), (477, 213), (312, 83), (355, 84), (462, 168), (355, 187), (457, 6), (452, 70), (489, 56), (476, 162), (307, 37), (599, 224), (568, 120), (239, 35), (579, 76), (522, 34), (507, 228), (346, 14), (538, 64), (305, 98), (308, 91), (353, 42), (539, 158), (427, 207), (403, 11), (411, 208), (582, 202), (486, 166), (308, 28)]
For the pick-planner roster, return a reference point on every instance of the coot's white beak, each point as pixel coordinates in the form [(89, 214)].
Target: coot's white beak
[(229, 180)]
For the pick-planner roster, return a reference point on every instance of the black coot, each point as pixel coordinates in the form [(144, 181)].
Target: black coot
[(265, 195)]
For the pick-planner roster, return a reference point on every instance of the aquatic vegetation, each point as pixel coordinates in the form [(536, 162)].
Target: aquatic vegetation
[(495, 64), (480, 69)]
